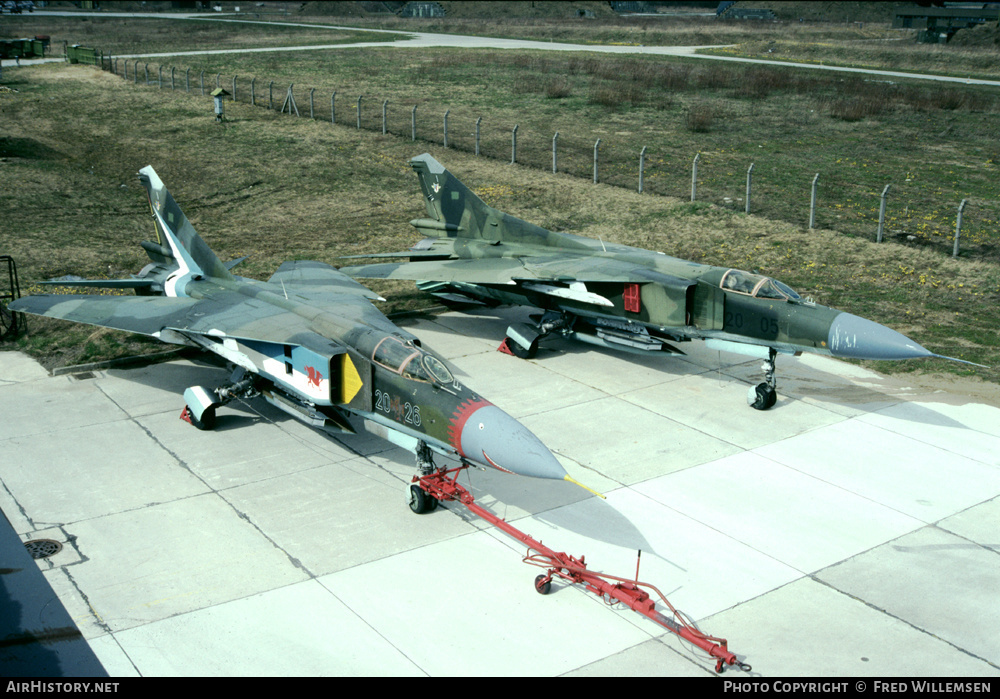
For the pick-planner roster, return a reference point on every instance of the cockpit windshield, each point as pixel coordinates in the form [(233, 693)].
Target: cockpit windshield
[(410, 361), (757, 285)]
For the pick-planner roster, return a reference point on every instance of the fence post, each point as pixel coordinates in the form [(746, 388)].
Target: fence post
[(812, 203), (513, 145), (385, 107), (187, 80), (253, 92), (201, 80), (270, 95), (413, 123), (881, 214), (290, 102), (333, 108), (234, 87), (958, 228), (447, 112), (135, 73), (749, 183), (555, 140), (312, 113), (171, 78), (596, 146), (694, 177), (642, 167), (359, 111), (479, 122), (159, 77), (125, 65)]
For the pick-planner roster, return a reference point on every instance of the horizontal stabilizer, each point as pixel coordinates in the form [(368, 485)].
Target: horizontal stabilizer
[(101, 283)]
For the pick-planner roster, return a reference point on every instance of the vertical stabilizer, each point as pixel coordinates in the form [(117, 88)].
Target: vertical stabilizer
[(452, 208), (177, 236), (455, 211)]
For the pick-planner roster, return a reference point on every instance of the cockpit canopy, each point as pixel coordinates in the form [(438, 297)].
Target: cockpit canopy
[(757, 285), (410, 361)]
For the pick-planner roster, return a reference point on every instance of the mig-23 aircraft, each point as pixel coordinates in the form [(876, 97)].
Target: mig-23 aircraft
[(310, 342), (616, 296)]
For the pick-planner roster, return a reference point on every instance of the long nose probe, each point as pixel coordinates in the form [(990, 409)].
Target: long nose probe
[(567, 477)]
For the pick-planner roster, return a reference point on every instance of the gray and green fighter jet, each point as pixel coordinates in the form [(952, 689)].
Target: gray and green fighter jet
[(310, 342), (616, 296)]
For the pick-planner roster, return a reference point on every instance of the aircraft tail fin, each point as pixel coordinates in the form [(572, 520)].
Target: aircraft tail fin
[(453, 210), (177, 241)]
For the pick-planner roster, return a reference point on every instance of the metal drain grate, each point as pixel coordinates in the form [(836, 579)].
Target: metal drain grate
[(42, 548)]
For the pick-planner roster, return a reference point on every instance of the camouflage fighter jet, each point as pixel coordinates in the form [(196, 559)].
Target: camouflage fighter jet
[(310, 342), (616, 296)]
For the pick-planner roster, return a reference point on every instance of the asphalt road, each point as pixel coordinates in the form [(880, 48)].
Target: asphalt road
[(427, 40)]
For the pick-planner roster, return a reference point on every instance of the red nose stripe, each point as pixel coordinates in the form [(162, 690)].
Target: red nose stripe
[(459, 418)]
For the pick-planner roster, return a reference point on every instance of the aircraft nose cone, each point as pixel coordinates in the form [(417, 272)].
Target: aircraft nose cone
[(490, 436), (859, 338)]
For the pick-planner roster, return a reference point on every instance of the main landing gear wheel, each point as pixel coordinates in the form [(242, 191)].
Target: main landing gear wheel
[(521, 352), (762, 397), (543, 584), (420, 501), (207, 421)]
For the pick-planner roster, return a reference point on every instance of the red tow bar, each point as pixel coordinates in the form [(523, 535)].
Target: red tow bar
[(443, 485)]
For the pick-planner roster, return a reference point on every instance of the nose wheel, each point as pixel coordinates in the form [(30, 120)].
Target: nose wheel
[(763, 396), (420, 501)]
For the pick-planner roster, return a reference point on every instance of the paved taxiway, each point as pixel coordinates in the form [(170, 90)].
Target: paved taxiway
[(852, 530), (429, 40)]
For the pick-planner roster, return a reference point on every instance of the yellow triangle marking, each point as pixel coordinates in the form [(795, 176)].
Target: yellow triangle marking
[(350, 380)]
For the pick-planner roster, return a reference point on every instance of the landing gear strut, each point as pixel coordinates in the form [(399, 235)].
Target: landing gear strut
[(420, 501), (201, 401), (763, 396), (522, 339)]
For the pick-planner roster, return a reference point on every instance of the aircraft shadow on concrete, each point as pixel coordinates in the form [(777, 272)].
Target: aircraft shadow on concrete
[(174, 377), (554, 507)]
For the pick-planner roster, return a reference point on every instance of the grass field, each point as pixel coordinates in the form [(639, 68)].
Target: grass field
[(276, 187), (122, 36), (935, 145)]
